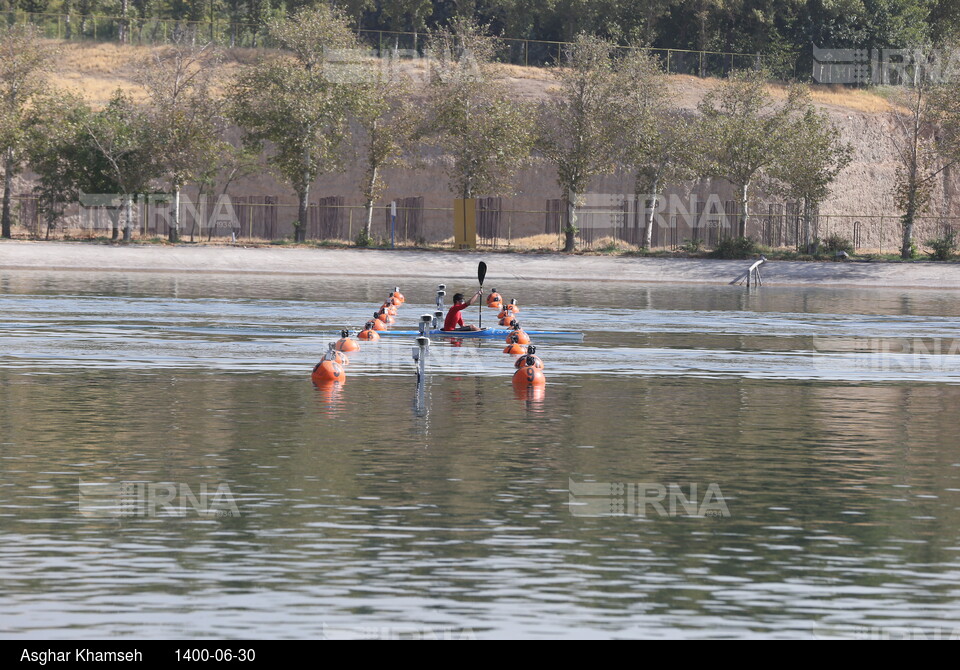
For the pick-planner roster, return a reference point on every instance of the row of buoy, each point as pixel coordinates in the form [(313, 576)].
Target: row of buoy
[(529, 366), (330, 368)]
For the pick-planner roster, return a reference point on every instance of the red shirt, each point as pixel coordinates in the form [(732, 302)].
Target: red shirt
[(454, 318)]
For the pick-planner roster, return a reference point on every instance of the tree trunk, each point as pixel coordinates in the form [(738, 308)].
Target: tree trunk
[(174, 233), (300, 233), (648, 233), (128, 216), (906, 250), (122, 31), (7, 194), (570, 229), (742, 232), (115, 223), (368, 226)]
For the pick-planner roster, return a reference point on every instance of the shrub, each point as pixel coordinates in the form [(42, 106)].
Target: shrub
[(836, 243), (736, 247), (363, 238), (943, 248)]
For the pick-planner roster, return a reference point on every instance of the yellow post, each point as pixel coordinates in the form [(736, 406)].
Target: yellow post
[(465, 223)]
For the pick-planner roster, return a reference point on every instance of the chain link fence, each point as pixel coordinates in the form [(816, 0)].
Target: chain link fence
[(501, 223), (153, 31)]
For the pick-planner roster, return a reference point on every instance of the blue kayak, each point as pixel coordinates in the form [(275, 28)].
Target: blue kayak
[(489, 333)]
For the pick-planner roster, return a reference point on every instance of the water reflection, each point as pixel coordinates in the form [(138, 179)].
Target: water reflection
[(446, 504)]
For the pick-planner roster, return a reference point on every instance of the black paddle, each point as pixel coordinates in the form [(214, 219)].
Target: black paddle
[(481, 275)]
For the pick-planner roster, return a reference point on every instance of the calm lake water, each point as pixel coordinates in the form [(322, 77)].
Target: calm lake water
[(825, 419)]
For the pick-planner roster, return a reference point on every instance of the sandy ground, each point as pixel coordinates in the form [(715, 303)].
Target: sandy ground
[(39, 256)]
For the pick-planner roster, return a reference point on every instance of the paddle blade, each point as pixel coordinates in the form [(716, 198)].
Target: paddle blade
[(481, 272)]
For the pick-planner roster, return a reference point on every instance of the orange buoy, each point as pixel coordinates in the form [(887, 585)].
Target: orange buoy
[(529, 359), (368, 333), (512, 307), (345, 343), (504, 314), (518, 335), (515, 349), (339, 357), (389, 308), (379, 321), (529, 376), (392, 301), (507, 321), (398, 295), (328, 371)]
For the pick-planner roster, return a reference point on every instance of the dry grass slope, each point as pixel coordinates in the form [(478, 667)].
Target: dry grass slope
[(95, 70)]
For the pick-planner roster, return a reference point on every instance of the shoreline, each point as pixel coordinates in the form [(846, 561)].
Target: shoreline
[(416, 264)]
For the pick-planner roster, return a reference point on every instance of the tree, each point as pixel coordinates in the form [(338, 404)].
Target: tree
[(657, 146), (86, 8), (59, 152), (407, 15), (472, 117), (185, 115), (355, 9), (24, 63), (813, 160), (297, 103), (121, 139), (384, 123), (576, 127), (927, 117), (745, 131), (258, 13)]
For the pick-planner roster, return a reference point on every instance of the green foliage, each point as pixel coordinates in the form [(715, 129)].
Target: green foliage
[(736, 248), (812, 158), (472, 116), (299, 106), (578, 132), (364, 239), (656, 145), (745, 131), (943, 248), (59, 153), (693, 246), (835, 242), (25, 61), (185, 115)]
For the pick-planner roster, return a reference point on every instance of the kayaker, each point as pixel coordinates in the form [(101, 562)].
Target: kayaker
[(454, 320)]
